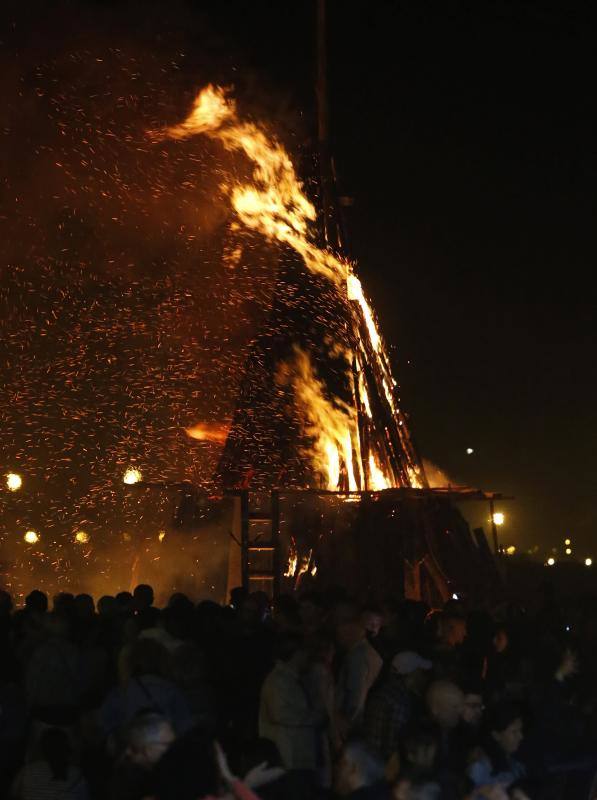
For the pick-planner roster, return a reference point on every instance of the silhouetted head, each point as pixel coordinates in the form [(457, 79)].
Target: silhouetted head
[(64, 603), (6, 604), (36, 601), (125, 602), (106, 605), (143, 596), (84, 606)]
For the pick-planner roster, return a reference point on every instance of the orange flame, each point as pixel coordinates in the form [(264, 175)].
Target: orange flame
[(331, 425), (377, 480), (205, 432)]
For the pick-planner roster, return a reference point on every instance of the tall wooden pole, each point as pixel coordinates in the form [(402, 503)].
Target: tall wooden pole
[(329, 228)]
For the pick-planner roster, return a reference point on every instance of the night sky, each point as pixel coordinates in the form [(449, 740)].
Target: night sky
[(465, 135)]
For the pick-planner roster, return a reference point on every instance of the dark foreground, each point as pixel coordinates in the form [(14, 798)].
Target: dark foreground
[(316, 697)]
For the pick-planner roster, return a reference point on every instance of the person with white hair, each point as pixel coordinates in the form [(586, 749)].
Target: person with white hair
[(360, 773), (147, 738)]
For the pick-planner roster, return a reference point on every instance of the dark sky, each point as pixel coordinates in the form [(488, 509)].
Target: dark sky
[(465, 132)]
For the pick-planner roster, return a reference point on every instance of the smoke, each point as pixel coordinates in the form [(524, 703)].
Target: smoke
[(436, 477)]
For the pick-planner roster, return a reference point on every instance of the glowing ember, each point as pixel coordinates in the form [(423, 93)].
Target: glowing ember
[(31, 537), (132, 476), (82, 537), (13, 482), (204, 432)]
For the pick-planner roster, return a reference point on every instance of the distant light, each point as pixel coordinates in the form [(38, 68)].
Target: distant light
[(567, 542), (126, 536), (161, 536), (568, 551), (551, 562), (13, 482), (511, 550), (31, 537), (82, 537), (588, 562), (498, 518), (455, 596), (469, 451), (132, 476)]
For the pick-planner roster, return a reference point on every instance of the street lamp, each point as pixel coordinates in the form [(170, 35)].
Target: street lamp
[(31, 537), (13, 482), (132, 476), (499, 518)]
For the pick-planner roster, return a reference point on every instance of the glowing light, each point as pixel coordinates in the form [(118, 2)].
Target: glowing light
[(588, 562), (567, 542), (132, 476), (551, 562), (13, 482), (511, 550), (469, 451), (498, 518), (568, 551), (161, 536), (205, 432), (82, 537), (455, 596), (31, 537)]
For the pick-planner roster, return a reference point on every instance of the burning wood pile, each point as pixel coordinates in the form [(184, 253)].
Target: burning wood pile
[(355, 438)]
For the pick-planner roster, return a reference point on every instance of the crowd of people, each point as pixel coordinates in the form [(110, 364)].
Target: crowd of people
[(314, 696)]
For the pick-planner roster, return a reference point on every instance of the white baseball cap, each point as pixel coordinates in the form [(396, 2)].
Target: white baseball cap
[(406, 662)]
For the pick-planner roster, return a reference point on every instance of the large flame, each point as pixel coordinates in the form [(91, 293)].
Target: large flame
[(329, 424), (274, 204)]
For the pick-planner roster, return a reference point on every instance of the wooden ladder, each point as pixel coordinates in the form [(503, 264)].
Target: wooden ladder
[(260, 534)]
